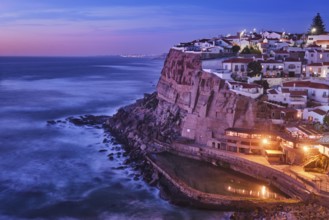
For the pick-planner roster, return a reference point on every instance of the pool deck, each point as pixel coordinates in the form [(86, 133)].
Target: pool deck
[(314, 183)]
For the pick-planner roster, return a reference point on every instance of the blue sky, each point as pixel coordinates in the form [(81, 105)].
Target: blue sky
[(99, 27)]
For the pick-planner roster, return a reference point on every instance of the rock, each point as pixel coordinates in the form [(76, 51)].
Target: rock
[(51, 122), (143, 147), (102, 150), (105, 140)]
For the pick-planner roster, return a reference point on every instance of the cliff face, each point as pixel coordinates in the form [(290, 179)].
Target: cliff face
[(210, 107)]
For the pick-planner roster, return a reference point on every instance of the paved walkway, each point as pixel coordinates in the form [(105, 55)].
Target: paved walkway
[(314, 182)]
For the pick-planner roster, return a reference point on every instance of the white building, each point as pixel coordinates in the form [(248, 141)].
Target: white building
[(272, 34), (245, 89), (311, 39), (323, 43), (316, 114), (317, 56), (214, 49), (318, 69), (272, 68), (294, 99), (280, 54), (316, 91), (237, 66), (292, 67)]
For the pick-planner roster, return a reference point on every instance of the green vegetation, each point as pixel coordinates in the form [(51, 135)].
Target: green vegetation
[(236, 48), (319, 163), (254, 68), (326, 120), (263, 83), (250, 50), (317, 26)]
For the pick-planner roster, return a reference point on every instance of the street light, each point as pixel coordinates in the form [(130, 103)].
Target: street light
[(305, 148), (265, 141), (313, 30)]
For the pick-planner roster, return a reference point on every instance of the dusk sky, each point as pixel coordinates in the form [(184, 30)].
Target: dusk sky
[(106, 27)]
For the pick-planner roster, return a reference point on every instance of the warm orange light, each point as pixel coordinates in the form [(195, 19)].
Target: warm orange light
[(305, 148), (265, 141)]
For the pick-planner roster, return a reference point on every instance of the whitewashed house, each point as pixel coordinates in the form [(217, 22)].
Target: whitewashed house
[(315, 114), (250, 90), (280, 54), (292, 67), (311, 39), (272, 34), (323, 43), (293, 99), (237, 66), (271, 68), (214, 49), (316, 56), (243, 43), (316, 91), (318, 69)]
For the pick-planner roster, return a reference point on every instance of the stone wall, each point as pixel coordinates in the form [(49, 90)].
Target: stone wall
[(286, 183), (221, 201)]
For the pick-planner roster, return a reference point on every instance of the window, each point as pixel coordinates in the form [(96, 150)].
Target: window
[(321, 55), (236, 68), (226, 67), (310, 38), (291, 66), (242, 68)]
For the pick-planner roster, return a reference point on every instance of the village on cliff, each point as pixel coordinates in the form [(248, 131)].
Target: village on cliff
[(287, 73)]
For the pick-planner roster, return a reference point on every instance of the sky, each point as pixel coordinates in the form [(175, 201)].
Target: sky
[(108, 27)]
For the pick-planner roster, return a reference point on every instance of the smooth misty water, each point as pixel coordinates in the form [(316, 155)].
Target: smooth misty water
[(56, 172)]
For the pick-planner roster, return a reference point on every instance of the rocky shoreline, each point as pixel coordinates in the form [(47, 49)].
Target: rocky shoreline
[(197, 106), (127, 127)]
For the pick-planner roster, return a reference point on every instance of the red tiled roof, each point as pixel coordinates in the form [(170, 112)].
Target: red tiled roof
[(298, 93), (287, 110), (306, 84), (312, 45), (281, 52), (285, 90), (238, 60), (289, 59), (270, 61), (315, 64), (319, 111), (323, 41), (272, 91)]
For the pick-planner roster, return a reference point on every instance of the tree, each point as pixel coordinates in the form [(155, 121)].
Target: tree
[(250, 50), (254, 68), (326, 120), (245, 50), (317, 26), (264, 84), (236, 48)]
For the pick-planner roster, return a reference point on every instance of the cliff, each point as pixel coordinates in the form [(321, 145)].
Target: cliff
[(188, 103), (210, 107)]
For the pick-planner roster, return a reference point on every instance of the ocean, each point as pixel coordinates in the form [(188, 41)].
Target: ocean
[(57, 171)]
